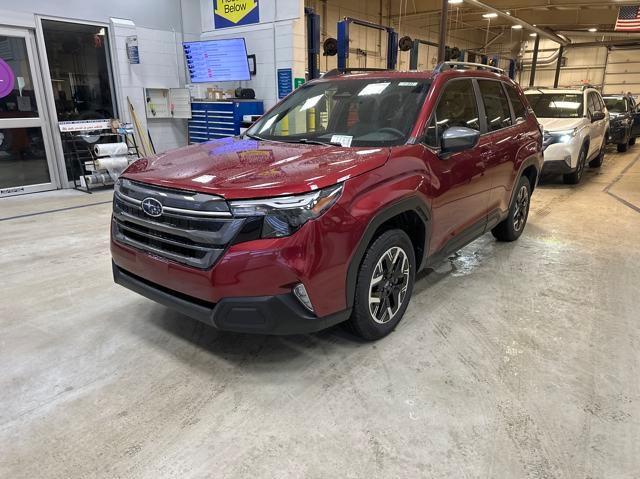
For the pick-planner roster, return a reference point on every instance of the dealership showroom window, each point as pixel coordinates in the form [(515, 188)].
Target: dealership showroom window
[(319, 239)]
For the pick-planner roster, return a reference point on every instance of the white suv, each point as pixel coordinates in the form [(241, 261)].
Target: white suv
[(575, 122)]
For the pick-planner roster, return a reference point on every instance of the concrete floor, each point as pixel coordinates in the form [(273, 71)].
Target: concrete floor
[(513, 361)]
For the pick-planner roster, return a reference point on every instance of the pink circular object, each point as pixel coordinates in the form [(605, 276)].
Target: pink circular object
[(7, 79)]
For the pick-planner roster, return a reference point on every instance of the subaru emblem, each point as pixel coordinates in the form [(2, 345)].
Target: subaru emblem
[(152, 207)]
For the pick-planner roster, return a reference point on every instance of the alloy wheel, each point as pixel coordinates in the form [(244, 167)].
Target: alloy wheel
[(388, 286), (521, 208)]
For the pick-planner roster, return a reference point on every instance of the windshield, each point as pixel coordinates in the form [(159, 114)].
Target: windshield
[(347, 112), (616, 105), (556, 105)]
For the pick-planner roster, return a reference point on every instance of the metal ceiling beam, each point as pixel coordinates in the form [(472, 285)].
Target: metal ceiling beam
[(541, 32)]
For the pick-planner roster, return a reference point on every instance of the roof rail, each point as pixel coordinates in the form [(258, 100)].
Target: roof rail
[(451, 65), (344, 71), (581, 86)]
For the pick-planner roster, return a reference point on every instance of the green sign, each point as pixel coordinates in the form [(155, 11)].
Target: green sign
[(297, 82)]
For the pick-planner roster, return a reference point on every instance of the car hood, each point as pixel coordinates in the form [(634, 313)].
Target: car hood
[(241, 168), (557, 124)]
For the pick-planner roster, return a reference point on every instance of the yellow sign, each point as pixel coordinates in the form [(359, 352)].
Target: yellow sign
[(235, 11)]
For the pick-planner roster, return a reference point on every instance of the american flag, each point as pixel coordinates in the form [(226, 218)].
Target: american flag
[(628, 19)]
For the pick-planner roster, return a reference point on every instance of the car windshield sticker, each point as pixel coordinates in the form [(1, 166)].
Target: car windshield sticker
[(343, 140), (373, 89)]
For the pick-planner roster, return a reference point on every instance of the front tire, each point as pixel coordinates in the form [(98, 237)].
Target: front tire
[(632, 141), (574, 177), (384, 285), (622, 147), (597, 161), (513, 225)]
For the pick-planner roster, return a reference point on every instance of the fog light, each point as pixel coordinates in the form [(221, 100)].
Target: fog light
[(301, 293)]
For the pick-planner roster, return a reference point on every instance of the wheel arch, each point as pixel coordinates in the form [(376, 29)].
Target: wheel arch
[(409, 214)]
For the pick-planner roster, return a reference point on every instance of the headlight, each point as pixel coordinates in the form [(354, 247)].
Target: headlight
[(283, 216), (563, 136)]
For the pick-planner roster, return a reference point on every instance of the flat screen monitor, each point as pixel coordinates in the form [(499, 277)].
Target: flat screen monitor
[(217, 60)]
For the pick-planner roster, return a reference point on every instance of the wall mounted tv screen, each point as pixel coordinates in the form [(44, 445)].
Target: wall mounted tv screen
[(217, 60)]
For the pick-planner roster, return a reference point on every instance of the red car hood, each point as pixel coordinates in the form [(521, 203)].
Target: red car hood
[(235, 168)]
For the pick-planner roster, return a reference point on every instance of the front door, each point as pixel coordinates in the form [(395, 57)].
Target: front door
[(26, 156), (460, 186)]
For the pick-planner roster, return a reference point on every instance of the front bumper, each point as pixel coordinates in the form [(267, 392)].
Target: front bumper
[(556, 167), (277, 314)]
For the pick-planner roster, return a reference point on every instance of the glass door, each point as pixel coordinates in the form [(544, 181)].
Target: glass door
[(26, 160)]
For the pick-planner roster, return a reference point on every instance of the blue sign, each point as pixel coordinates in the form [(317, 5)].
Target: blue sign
[(285, 82), (233, 13)]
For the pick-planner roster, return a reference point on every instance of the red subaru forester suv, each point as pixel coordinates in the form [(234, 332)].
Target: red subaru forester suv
[(328, 206)]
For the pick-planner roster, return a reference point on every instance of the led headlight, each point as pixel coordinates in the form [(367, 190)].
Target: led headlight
[(283, 216), (563, 136)]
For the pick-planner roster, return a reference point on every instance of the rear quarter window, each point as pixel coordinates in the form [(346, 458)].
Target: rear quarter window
[(519, 109)]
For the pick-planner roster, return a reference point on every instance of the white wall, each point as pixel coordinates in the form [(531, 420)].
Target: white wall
[(161, 66), (584, 65), (278, 41), (156, 14)]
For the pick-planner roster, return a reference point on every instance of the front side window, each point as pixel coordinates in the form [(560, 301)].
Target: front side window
[(456, 107), (496, 106), (556, 105), (351, 112)]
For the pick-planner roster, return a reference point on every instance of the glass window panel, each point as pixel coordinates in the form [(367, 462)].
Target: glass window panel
[(79, 70), (17, 96), (496, 106), (23, 160), (457, 107)]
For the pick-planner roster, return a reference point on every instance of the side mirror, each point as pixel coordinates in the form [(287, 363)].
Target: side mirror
[(597, 116), (458, 138)]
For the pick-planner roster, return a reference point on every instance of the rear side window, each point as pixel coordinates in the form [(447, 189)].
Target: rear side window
[(496, 106), (519, 110)]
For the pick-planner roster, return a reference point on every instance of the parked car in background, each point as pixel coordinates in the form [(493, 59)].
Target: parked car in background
[(624, 124), (328, 206), (576, 124)]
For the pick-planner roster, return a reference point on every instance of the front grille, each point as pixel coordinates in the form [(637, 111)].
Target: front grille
[(194, 229)]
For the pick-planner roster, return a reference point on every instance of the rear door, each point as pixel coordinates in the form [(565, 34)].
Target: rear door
[(501, 143), (460, 187)]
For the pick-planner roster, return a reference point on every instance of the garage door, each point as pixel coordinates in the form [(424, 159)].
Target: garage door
[(623, 72)]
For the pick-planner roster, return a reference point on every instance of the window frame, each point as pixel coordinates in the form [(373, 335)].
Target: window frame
[(514, 118), (476, 95), (481, 101)]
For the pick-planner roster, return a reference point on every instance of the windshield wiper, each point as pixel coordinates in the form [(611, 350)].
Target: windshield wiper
[(259, 138), (255, 137), (307, 141)]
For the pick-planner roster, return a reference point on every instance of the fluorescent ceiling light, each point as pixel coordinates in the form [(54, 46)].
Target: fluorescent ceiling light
[(593, 29), (489, 15), (533, 34), (516, 27), (455, 2)]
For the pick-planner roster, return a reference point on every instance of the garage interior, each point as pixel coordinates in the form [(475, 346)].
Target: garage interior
[(513, 360)]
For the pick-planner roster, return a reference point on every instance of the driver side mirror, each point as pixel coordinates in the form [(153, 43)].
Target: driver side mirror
[(597, 116), (458, 138)]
